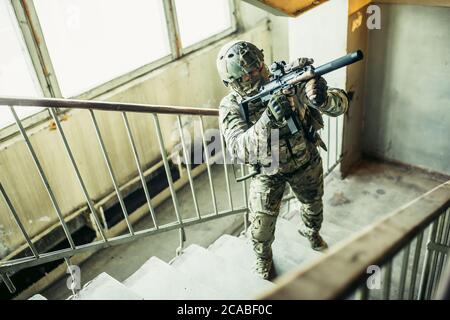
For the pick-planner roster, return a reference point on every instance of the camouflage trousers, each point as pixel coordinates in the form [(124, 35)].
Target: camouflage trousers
[(266, 193)]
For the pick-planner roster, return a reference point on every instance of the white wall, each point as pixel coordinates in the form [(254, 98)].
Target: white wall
[(407, 114), (321, 34)]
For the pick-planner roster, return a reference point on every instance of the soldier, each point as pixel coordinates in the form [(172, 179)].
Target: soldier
[(241, 67)]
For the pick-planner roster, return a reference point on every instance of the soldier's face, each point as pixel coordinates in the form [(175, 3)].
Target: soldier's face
[(250, 83)]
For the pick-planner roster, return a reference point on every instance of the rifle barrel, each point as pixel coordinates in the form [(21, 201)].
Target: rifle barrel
[(339, 63)]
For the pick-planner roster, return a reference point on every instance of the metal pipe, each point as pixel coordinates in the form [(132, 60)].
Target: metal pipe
[(169, 178), (18, 222), (54, 103), (205, 147), (436, 255), (440, 239), (387, 280), (227, 179), (111, 172), (173, 29), (404, 271), (444, 241), (77, 172), (188, 166), (9, 284), (415, 268), (139, 167), (426, 263), (43, 178)]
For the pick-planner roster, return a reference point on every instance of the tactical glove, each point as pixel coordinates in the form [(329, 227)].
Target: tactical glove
[(279, 107), (316, 91)]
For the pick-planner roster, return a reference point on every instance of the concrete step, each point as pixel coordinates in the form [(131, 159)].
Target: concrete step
[(330, 231), (227, 277), (240, 251), (38, 297), (290, 249), (334, 229), (105, 287), (157, 280)]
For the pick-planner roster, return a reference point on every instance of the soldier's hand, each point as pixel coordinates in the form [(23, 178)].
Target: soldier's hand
[(279, 106), (316, 91), (300, 63)]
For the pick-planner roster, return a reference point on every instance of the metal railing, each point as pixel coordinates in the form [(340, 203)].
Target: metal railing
[(8, 267), (389, 260)]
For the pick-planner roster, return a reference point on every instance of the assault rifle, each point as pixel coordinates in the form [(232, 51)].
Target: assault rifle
[(287, 77)]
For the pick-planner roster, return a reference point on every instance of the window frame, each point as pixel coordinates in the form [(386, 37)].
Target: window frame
[(29, 25)]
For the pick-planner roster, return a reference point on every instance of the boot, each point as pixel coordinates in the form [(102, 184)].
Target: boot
[(262, 267), (314, 238)]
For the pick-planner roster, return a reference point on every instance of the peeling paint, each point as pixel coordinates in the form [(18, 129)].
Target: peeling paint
[(4, 250), (44, 219), (357, 22)]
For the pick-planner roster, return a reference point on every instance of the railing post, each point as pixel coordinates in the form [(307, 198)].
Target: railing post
[(170, 182), (208, 167), (387, 280), (139, 167), (187, 157), (111, 172), (426, 263), (415, 268), (18, 222), (227, 180), (445, 241), (77, 172), (43, 178), (404, 271), (9, 284), (435, 257)]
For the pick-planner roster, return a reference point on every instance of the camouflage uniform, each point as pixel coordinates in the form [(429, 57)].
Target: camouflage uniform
[(301, 168), (241, 67)]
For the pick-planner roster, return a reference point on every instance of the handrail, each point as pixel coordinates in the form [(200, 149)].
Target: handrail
[(105, 106), (340, 271), (11, 266)]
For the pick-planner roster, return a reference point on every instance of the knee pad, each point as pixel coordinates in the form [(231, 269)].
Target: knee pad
[(263, 227)]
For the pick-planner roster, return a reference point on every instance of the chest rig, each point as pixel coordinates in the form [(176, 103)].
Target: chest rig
[(311, 122)]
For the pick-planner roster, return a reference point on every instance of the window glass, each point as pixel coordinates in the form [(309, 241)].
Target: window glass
[(17, 75), (93, 41), (201, 19)]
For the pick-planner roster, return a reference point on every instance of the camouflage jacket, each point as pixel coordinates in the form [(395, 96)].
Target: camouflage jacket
[(294, 151)]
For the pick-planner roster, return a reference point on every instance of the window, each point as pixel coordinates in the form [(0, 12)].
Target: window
[(17, 76), (93, 41), (215, 18), (96, 45)]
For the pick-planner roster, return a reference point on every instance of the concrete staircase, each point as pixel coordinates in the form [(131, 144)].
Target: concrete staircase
[(222, 271)]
